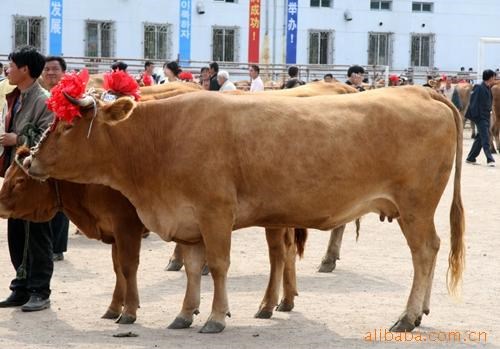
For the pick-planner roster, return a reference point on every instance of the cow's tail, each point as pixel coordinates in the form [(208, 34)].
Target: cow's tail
[(300, 240), (456, 258), (358, 227)]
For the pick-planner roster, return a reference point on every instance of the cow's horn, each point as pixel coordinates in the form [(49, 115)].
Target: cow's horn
[(81, 102)]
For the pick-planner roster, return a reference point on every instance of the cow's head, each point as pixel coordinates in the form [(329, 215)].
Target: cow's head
[(78, 150), (23, 197)]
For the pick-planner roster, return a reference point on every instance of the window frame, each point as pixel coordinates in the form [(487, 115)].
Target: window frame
[(236, 43), (379, 2), (421, 6), (168, 40), (321, 4), (42, 32), (330, 49), (432, 41), (389, 37), (112, 40)]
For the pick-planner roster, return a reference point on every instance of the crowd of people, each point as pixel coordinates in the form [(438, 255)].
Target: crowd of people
[(25, 85)]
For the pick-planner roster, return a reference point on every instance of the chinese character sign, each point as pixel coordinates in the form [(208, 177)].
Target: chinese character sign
[(291, 31), (55, 27), (254, 31), (185, 31)]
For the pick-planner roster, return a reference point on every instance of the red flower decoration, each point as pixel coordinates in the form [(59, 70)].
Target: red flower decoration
[(120, 82), (74, 85), (186, 76)]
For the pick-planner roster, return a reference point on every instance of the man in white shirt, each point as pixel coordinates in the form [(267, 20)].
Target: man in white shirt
[(257, 84), (223, 80)]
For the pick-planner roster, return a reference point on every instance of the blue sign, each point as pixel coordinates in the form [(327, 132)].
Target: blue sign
[(291, 31), (185, 32), (55, 27)]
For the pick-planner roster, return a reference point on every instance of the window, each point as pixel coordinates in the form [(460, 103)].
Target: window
[(224, 42), (422, 50), (320, 47), (379, 49), (29, 31), (380, 4), (321, 3), (99, 39), (156, 41), (422, 6)]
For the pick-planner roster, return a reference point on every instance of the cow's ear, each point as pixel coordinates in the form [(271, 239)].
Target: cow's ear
[(118, 110)]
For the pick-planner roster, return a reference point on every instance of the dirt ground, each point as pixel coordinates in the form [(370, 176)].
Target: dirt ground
[(367, 292)]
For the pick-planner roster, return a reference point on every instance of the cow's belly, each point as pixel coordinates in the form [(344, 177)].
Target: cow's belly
[(179, 225)]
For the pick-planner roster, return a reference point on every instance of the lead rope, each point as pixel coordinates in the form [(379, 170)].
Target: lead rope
[(21, 271), (93, 118)]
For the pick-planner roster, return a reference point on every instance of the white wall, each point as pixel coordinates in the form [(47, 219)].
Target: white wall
[(457, 25)]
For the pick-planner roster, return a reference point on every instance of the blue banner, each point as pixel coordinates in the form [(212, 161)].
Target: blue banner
[(55, 27), (291, 31), (185, 31)]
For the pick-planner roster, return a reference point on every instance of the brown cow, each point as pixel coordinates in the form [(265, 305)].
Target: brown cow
[(204, 172), (495, 119), (105, 214), (464, 90)]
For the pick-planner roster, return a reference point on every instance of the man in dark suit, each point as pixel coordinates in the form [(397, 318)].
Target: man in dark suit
[(479, 111)]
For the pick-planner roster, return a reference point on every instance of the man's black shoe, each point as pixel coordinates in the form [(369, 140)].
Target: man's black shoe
[(36, 303), (16, 299)]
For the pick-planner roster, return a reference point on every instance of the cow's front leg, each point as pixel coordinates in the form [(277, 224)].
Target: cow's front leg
[(194, 259), (216, 234), (115, 308)]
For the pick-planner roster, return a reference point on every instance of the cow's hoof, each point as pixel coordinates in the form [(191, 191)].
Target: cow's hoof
[(111, 315), (212, 327), (327, 267), (125, 319), (418, 321), (402, 325), (263, 314), (285, 306), (205, 270), (427, 311), (180, 323), (174, 265)]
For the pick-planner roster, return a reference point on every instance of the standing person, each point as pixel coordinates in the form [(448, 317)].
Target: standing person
[(223, 80), (119, 66), (294, 81), (30, 244), (53, 71), (214, 70), (328, 78), (2, 75), (479, 111), (451, 92), (257, 84), (355, 77), (146, 77), (171, 71), (205, 78)]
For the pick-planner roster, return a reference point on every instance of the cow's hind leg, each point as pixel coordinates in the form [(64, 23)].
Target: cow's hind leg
[(423, 241), (216, 231), (115, 308), (277, 254), (329, 261), (176, 261), (194, 259)]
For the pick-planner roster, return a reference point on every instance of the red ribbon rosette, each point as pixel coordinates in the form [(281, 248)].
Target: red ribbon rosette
[(120, 82), (73, 84)]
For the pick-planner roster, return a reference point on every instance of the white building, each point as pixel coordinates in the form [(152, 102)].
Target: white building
[(398, 33)]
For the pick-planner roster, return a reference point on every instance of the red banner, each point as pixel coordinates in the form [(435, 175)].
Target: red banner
[(254, 31)]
